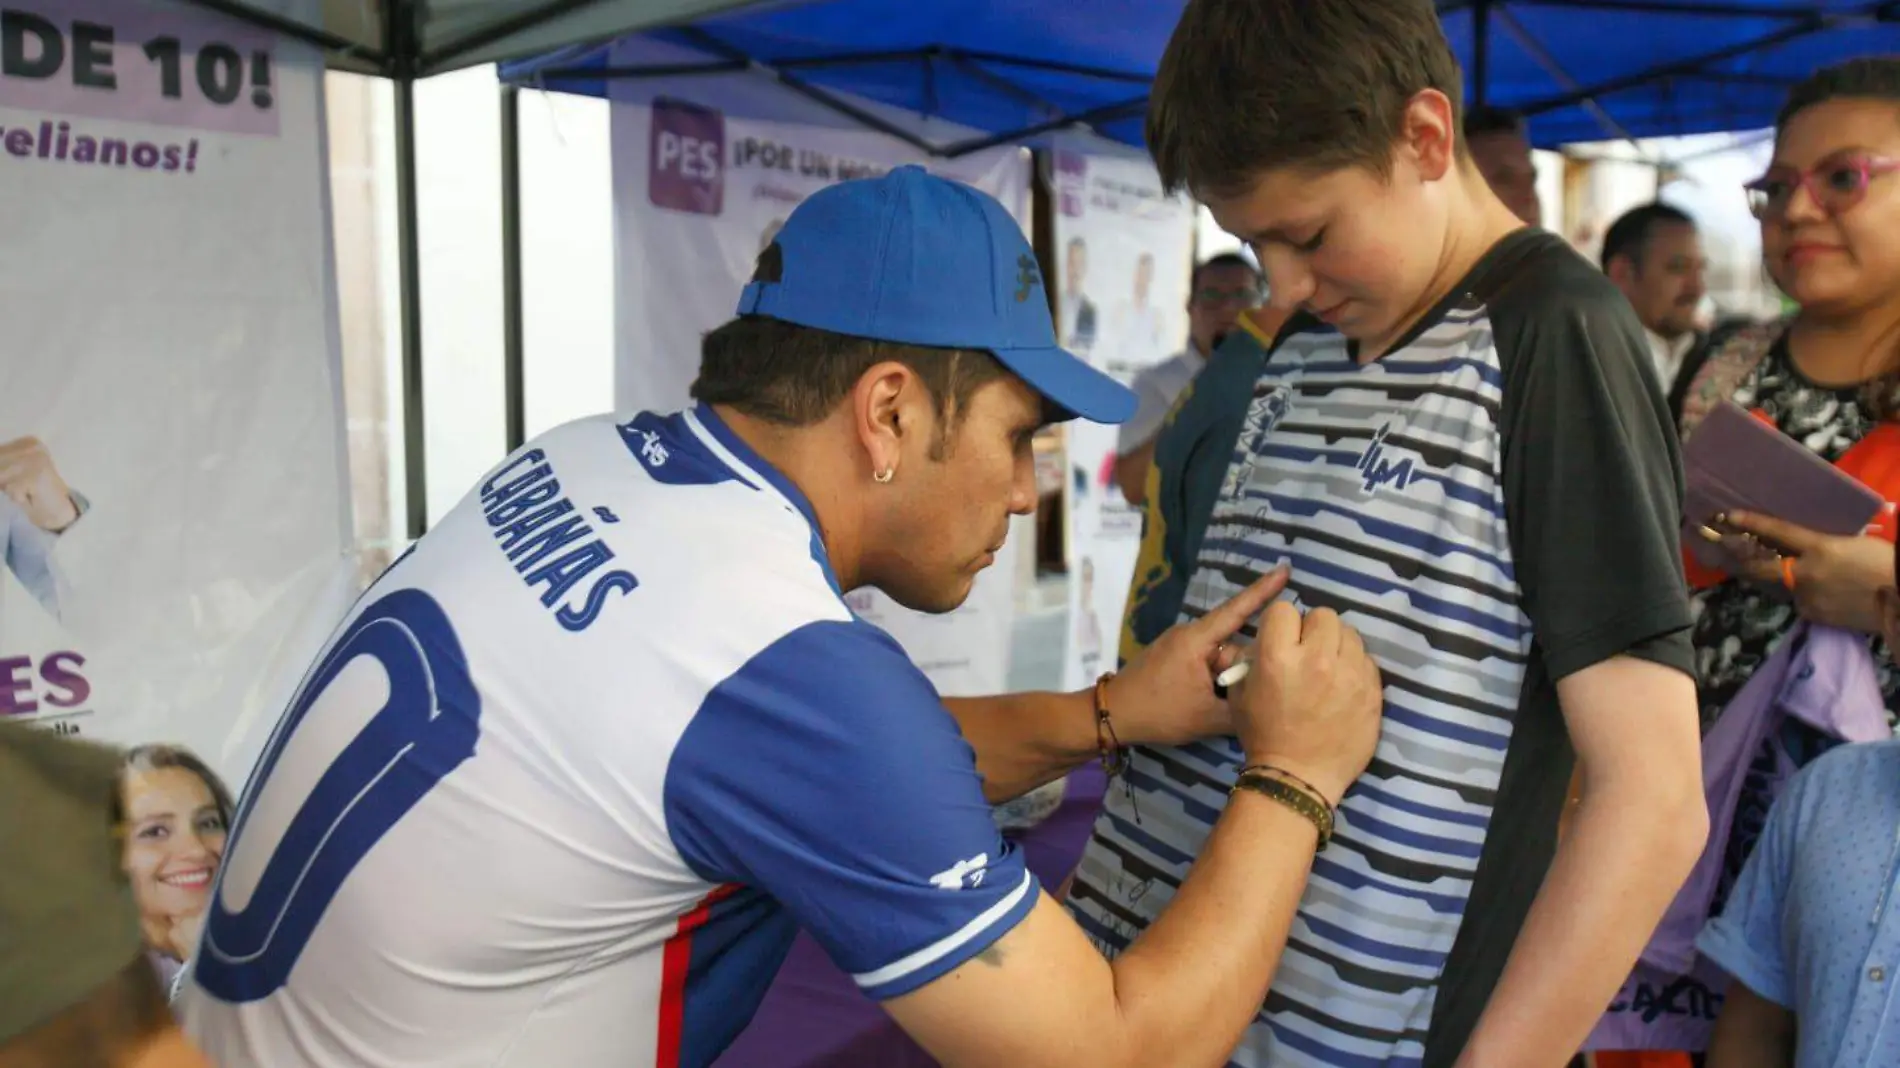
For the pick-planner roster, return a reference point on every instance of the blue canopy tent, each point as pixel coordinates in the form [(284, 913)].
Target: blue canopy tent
[(1581, 70)]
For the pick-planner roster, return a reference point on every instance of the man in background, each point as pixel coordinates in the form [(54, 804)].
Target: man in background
[(1078, 316), (1178, 496), (1135, 338), (1500, 145), (1222, 288), (1654, 255), (79, 990)]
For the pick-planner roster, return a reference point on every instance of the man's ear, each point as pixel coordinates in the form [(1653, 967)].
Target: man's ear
[(883, 415)]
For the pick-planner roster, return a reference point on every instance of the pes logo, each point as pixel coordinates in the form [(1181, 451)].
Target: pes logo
[(686, 154), (1072, 183)]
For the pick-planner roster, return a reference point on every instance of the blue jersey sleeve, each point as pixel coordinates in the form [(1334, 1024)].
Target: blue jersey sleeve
[(828, 774)]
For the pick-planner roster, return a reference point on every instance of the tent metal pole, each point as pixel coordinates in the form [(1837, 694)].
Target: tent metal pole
[(707, 42), (1676, 7), (1106, 113), (409, 282), (1536, 50), (1104, 73), (556, 75), (852, 59), (436, 59), (852, 111), (1811, 24), (513, 398)]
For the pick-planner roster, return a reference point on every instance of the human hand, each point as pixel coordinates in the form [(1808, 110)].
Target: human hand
[(27, 475), (1312, 701), (1165, 696), (1836, 580)]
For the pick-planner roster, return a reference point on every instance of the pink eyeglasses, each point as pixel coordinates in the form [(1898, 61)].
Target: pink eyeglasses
[(1836, 185)]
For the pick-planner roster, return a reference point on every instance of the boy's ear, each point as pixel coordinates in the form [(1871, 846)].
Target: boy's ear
[(1428, 134)]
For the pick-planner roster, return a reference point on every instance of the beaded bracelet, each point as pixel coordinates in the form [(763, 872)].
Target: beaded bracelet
[(1274, 769), (1293, 797)]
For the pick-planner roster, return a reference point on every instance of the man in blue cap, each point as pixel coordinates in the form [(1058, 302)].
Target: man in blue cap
[(567, 780)]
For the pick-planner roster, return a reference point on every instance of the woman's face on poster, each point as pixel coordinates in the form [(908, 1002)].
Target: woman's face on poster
[(174, 841)]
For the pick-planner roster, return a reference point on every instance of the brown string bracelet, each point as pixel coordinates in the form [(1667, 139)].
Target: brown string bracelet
[(1114, 757)]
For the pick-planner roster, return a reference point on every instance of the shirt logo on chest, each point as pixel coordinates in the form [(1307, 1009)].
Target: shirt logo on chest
[(1377, 467)]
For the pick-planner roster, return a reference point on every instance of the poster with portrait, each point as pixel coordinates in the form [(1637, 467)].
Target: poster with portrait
[(173, 518), (705, 172), (1125, 256)]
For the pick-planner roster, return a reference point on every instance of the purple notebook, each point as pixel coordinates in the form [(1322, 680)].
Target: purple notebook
[(1735, 462)]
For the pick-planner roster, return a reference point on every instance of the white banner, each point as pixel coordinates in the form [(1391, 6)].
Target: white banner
[(698, 193), (1124, 252), (173, 514)]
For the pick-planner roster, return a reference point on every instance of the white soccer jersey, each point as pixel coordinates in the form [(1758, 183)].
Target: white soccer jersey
[(573, 771)]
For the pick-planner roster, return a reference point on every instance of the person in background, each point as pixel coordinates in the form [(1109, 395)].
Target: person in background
[(1182, 486), (1221, 288), (1135, 339), (1787, 915), (78, 990), (1088, 629), (1828, 207), (1078, 319), (1448, 369), (1811, 931), (1653, 253), (176, 813), (1500, 145)]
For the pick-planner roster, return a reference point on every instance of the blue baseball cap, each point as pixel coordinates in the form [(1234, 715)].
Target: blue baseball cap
[(920, 260)]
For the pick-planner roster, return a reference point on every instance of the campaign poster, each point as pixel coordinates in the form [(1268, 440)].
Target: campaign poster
[(174, 527)]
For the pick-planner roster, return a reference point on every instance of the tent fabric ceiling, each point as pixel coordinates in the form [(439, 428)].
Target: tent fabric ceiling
[(437, 36), (1583, 70)]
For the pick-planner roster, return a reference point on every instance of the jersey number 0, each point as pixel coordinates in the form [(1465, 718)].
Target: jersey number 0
[(427, 728)]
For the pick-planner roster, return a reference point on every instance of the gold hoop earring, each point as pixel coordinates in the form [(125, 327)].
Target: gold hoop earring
[(884, 477)]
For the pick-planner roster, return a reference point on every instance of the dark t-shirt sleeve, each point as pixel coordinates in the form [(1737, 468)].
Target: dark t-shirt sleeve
[(1592, 474)]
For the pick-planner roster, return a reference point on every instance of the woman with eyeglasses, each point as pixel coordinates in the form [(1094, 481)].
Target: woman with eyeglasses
[(1829, 206), (1827, 376)]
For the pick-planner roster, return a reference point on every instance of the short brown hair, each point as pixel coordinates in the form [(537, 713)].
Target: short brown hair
[(795, 375), (121, 1015), (1247, 86)]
